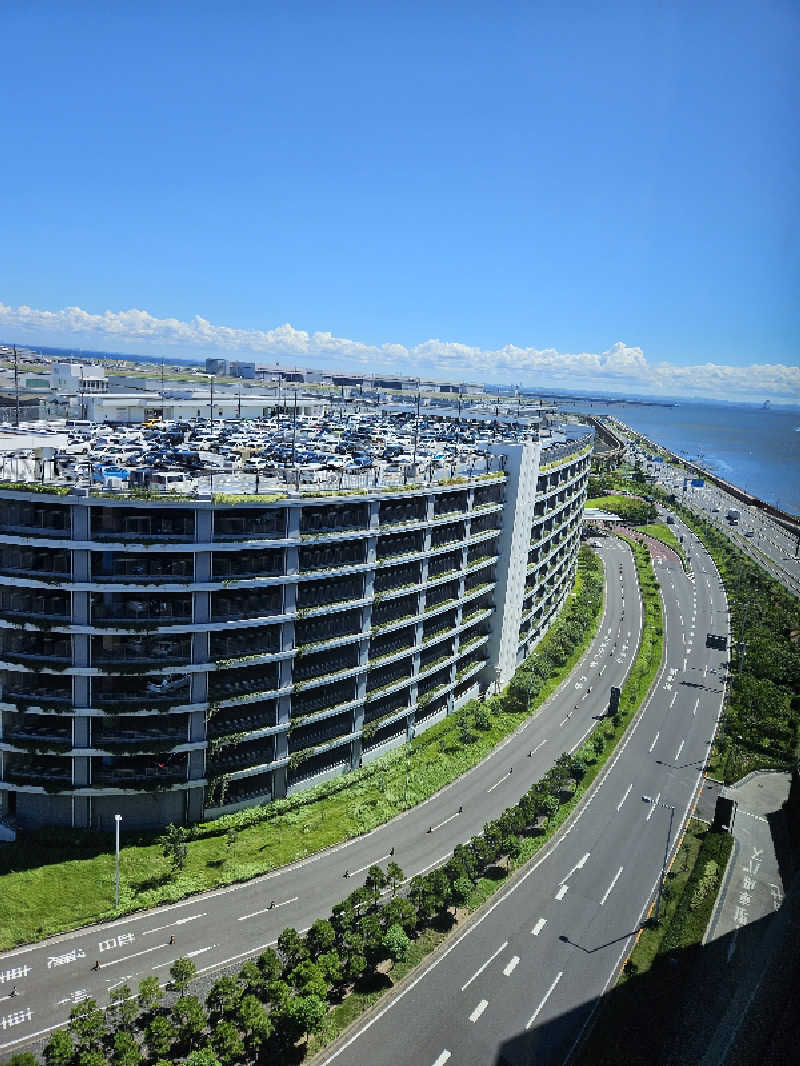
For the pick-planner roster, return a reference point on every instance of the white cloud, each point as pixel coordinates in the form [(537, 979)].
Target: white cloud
[(621, 368)]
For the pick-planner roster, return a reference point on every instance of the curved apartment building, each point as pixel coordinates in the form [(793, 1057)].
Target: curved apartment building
[(171, 660)]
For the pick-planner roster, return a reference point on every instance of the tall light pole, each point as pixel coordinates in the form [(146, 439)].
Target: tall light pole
[(211, 399), (117, 820)]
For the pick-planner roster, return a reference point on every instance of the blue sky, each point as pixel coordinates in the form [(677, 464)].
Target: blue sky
[(564, 193)]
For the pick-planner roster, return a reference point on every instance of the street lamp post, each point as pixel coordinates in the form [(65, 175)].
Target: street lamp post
[(117, 820), (671, 809), (211, 398), (409, 738)]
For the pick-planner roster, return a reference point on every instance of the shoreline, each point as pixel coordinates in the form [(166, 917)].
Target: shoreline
[(789, 521)]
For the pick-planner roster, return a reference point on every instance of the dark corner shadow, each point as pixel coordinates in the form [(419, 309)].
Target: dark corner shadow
[(669, 1015)]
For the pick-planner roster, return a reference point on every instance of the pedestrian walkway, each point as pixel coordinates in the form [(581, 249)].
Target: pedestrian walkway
[(753, 887)]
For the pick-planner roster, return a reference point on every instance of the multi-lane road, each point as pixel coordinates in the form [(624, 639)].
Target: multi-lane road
[(230, 925), (757, 533), (519, 985)]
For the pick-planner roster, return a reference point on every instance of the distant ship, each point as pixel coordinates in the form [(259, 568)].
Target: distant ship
[(765, 406)]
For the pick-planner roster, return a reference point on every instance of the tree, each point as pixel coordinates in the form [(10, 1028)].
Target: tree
[(159, 1036), (189, 1018), (250, 978), (181, 972), (254, 1022), (278, 992), (464, 731), (375, 882), (396, 943), (301, 1016), (332, 967), (22, 1058), (394, 876), (126, 1050), (59, 1049), (309, 979), (203, 1056), (227, 1043), (174, 847), (269, 964), (87, 1023), (149, 994), (291, 947), (320, 938), (462, 890), (123, 1008), (481, 718), (399, 911), (223, 997), (92, 1057)]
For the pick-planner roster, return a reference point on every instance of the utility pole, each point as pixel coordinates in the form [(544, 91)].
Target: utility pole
[(416, 431), (239, 405), (16, 388), (294, 425)]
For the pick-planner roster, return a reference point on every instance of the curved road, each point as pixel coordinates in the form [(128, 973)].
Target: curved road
[(231, 924), (519, 985)]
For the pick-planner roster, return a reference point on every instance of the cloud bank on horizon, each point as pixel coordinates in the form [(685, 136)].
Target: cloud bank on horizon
[(621, 368)]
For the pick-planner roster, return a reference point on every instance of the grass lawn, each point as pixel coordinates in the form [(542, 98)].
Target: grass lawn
[(608, 503), (661, 531), (47, 885)]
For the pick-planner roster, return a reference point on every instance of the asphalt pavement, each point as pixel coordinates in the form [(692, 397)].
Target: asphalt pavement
[(227, 926), (520, 983)]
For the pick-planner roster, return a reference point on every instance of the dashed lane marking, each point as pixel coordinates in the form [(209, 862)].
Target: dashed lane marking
[(512, 964), (607, 892), (484, 1003), (480, 969), (547, 995), (539, 926)]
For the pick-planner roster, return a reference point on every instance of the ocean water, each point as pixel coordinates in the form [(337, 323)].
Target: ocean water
[(755, 448)]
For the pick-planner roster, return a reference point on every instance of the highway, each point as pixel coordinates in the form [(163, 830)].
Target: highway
[(760, 536), (519, 985), (227, 926)]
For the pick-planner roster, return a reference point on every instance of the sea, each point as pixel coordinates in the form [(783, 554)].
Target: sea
[(756, 448)]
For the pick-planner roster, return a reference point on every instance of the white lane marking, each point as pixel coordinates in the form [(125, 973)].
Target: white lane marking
[(696, 705), (502, 779), (180, 921), (484, 1003), (674, 697), (653, 805), (547, 995), (146, 951), (561, 892), (255, 914), (199, 951), (480, 970), (684, 666), (445, 1055), (579, 865), (680, 749), (439, 826), (374, 862), (539, 926), (627, 792), (534, 750), (608, 890), (655, 741), (511, 966), (425, 869)]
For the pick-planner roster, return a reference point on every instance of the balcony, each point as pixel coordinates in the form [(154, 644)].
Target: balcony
[(35, 649), (137, 611), (243, 604), (245, 523), (53, 774), (242, 720), (245, 643), (139, 694), (122, 523), (332, 556), (140, 567), (232, 683), (398, 513), (226, 757), (139, 652), (327, 593), (36, 695), (137, 740), (149, 773), (21, 518), (332, 519), (17, 605), (42, 564), (229, 566)]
